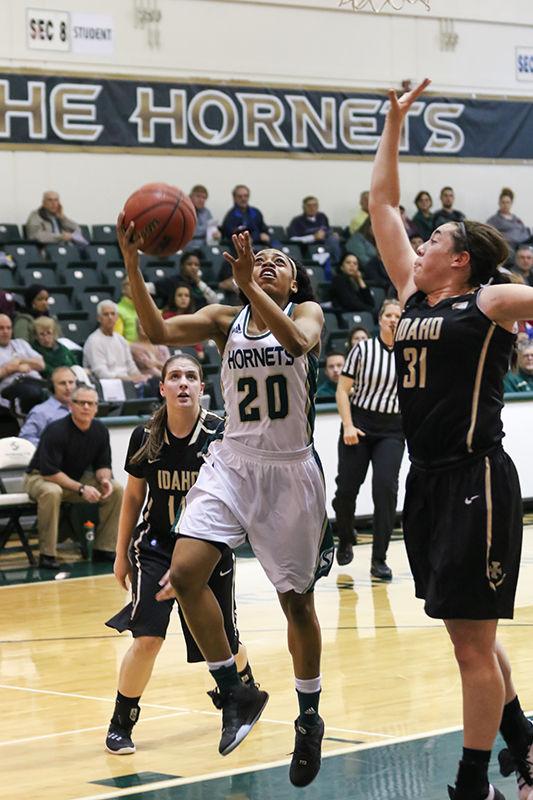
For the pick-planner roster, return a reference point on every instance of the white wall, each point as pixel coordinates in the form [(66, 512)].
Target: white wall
[(302, 42), (518, 443)]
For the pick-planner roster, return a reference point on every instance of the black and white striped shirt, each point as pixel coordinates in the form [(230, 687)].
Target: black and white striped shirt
[(371, 366)]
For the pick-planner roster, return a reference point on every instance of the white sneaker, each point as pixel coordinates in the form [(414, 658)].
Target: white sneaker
[(523, 772)]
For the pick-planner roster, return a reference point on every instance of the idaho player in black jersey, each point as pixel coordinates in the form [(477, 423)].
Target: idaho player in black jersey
[(463, 512), (164, 457)]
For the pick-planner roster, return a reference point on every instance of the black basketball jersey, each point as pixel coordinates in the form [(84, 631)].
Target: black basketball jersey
[(450, 360), (172, 474)]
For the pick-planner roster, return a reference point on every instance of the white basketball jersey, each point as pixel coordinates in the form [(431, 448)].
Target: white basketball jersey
[(269, 395)]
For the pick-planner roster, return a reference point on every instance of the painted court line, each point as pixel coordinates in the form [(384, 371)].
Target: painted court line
[(82, 730), (178, 709), (146, 788)]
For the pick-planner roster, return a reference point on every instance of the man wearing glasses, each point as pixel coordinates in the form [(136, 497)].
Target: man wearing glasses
[(72, 464)]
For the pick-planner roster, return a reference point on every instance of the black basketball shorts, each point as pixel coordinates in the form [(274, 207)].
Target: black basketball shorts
[(463, 534), (146, 616)]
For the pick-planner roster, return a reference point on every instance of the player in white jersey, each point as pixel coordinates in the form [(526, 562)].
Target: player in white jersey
[(262, 480)]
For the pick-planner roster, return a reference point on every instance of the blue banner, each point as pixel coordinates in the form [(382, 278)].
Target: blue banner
[(151, 115)]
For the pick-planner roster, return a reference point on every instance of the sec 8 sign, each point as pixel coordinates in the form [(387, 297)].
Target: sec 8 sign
[(47, 30)]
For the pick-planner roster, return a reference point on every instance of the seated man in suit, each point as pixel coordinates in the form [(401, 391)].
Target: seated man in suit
[(73, 464)]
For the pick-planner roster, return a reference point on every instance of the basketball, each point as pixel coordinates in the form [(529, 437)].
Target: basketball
[(164, 217)]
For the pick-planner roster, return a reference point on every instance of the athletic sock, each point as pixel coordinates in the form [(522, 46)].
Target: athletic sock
[(472, 781), (516, 729), (308, 692), (126, 711), (225, 674), (246, 674)]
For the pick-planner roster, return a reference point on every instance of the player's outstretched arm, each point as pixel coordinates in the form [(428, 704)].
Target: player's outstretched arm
[(298, 335), (208, 323), (506, 304), (391, 238)]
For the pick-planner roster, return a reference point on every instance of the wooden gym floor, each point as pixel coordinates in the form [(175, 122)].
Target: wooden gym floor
[(391, 696)]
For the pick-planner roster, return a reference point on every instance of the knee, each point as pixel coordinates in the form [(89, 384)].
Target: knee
[(50, 493), (470, 655), (299, 609), (184, 580), (147, 646)]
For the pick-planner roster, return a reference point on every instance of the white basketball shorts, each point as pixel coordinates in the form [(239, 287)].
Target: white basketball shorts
[(275, 499)]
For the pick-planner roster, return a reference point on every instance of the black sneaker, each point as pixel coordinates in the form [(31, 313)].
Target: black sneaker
[(306, 758), (241, 708), (344, 553), (118, 741), (494, 793), (381, 570), (523, 769), (49, 562)]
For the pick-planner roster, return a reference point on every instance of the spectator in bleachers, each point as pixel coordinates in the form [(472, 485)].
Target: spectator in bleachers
[(106, 353), (20, 366), (327, 386), (127, 322), (447, 213), (7, 304), (348, 291), (361, 215), (180, 302), (523, 263), (424, 220), (190, 274), (312, 227), (244, 217), (36, 299), (73, 464), (522, 379), (206, 231), (53, 352), (49, 225), (149, 358), (56, 407), (510, 226), (416, 241), (357, 334), (362, 244)]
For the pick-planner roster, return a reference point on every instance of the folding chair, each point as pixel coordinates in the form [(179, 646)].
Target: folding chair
[(15, 455)]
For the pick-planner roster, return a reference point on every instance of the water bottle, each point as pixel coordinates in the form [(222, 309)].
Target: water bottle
[(88, 533)]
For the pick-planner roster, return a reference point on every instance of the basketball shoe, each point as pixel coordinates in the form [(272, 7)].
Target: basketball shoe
[(241, 708), (118, 741), (494, 794), (306, 757), (523, 768)]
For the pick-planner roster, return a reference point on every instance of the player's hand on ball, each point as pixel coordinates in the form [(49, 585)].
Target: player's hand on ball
[(243, 265), (129, 241), (167, 592), (122, 570), (351, 435)]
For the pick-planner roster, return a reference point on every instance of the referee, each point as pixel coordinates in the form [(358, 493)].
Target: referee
[(371, 432)]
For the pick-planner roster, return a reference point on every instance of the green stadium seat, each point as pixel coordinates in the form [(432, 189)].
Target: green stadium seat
[(9, 233)]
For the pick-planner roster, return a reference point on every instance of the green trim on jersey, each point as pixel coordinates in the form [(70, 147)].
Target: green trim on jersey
[(289, 306), (311, 384)]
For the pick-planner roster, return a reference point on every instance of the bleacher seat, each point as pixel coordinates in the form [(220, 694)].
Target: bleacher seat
[(379, 296), (331, 324), (60, 300), (81, 274), (9, 233), (42, 272), (86, 232), (277, 232), (158, 271), (9, 279), (62, 254), (23, 253), (78, 329), (102, 254), (114, 273), (351, 318), (323, 295), (337, 340), (89, 298), (292, 250), (104, 234)]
